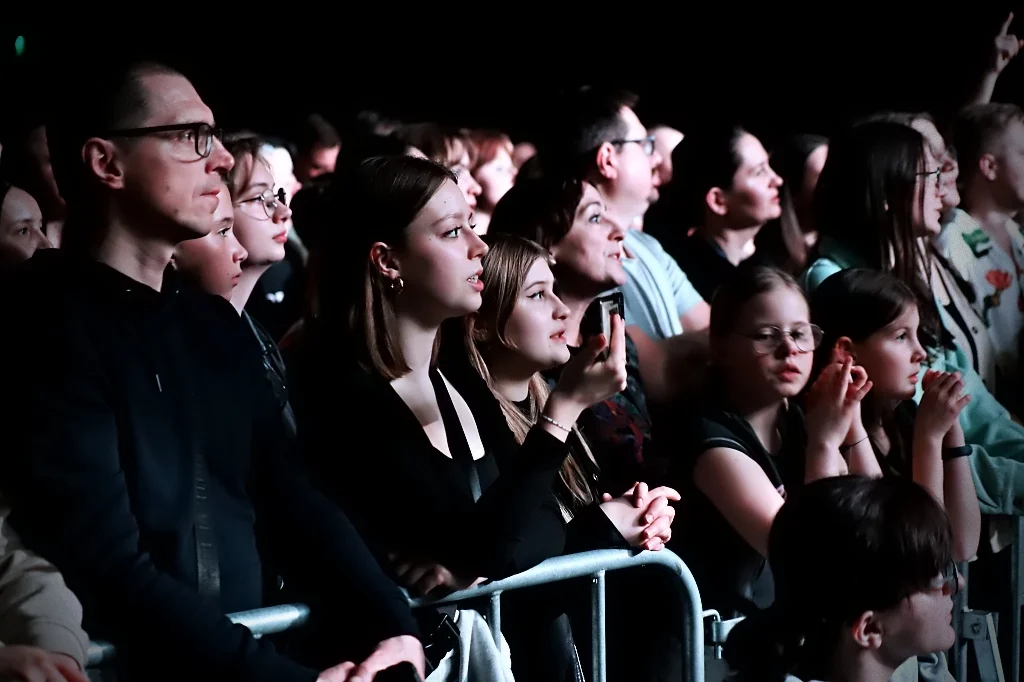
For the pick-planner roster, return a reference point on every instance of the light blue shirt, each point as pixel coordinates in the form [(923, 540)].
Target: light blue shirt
[(657, 292)]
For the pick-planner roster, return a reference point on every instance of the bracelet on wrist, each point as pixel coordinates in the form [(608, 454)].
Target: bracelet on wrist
[(559, 425), (956, 453)]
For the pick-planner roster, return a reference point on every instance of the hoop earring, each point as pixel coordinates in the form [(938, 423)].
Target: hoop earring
[(397, 285)]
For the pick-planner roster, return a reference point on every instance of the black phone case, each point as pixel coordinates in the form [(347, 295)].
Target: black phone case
[(593, 320)]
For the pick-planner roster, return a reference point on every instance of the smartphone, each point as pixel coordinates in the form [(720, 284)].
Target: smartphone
[(598, 319)]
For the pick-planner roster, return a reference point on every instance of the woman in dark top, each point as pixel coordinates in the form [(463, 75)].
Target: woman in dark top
[(422, 482), (751, 442), (872, 589), (725, 187), (518, 332), (872, 317)]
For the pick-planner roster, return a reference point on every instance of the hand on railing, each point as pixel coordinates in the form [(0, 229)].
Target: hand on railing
[(423, 577), (643, 517), (388, 653), (30, 663)]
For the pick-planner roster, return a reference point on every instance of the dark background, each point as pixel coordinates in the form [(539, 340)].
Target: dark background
[(776, 71)]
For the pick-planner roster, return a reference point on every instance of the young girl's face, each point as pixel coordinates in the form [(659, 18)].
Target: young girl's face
[(771, 349), (535, 330), (892, 356)]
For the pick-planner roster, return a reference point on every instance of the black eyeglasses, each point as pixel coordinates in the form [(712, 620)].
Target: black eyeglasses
[(201, 134), (937, 173), (806, 337), (646, 143), (270, 200)]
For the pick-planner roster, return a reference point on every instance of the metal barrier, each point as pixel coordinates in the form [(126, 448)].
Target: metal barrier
[(268, 621), (595, 565), (1017, 594)]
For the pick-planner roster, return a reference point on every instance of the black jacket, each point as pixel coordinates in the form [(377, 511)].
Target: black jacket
[(116, 387)]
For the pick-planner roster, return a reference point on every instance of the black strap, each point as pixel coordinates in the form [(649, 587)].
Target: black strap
[(457, 443), (207, 562), (274, 369)]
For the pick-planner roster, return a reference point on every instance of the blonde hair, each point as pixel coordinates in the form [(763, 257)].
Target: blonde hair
[(506, 266)]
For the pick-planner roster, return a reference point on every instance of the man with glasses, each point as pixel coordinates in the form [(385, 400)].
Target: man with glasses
[(147, 452), (602, 139)]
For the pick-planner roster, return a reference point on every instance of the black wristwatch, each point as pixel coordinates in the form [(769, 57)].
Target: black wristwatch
[(956, 453)]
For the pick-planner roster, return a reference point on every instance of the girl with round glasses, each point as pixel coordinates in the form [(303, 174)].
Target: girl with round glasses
[(751, 442)]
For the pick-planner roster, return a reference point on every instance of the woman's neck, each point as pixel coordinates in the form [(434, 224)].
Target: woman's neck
[(246, 283), (736, 243), (507, 380), (416, 340)]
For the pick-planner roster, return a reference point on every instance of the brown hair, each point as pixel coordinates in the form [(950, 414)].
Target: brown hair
[(540, 209), (978, 130), (241, 146), (487, 144), (506, 266), (735, 292), (378, 201), (881, 539), (865, 200)]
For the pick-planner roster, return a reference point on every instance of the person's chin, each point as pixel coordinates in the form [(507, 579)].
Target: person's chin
[(616, 276)]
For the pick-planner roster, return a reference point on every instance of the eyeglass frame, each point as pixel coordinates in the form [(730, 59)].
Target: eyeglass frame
[(952, 576), (197, 127), (646, 143), (278, 198), (780, 334), (937, 173)]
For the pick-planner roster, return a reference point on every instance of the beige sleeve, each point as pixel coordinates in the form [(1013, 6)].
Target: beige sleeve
[(36, 606)]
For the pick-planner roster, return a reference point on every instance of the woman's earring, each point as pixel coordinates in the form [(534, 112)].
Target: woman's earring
[(396, 285)]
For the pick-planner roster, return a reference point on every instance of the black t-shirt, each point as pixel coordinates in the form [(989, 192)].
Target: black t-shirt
[(732, 575), (706, 266)]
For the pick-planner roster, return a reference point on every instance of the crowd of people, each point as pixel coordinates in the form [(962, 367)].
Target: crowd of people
[(339, 370)]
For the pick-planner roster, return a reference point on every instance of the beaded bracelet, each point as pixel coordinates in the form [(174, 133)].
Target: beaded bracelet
[(551, 421)]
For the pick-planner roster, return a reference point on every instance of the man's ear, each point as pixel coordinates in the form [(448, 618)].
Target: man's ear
[(606, 161), (103, 159), (988, 166)]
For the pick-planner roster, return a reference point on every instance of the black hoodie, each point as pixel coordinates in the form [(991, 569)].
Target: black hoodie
[(113, 386)]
